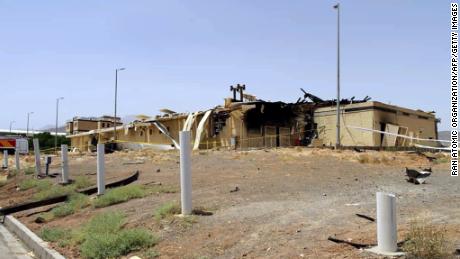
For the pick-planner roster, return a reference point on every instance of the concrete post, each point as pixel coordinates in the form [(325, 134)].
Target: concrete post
[(100, 170), (38, 170), (5, 158), (386, 222), (185, 173), (64, 164), (16, 159)]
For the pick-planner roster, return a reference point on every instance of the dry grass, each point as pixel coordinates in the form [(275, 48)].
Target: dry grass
[(375, 158), (426, 241)]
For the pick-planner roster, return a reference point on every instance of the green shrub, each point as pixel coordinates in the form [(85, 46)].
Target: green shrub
[(29, 170), (46, 141), (118, 195), (13, 172), (150, 254), (35, 183), (105, 223), (27, 184), (63, 210), (425, 241), (103, 237), (82, 182), (53, 191), (155, 189), (167, 209), (54, 234), (76, 202)]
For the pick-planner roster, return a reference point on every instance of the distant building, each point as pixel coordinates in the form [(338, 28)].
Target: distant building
[(246, 122), (85, 124)]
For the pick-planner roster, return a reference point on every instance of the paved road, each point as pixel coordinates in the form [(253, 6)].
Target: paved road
[(11, 247)]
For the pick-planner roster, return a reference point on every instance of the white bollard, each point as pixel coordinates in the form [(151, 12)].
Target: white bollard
[(64, 164), (38, 170), (5, 158), (386, 222), (185, 173), (100, 170), (16, 159)]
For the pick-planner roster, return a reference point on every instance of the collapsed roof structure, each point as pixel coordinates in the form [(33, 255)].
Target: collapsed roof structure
[(245, 121)]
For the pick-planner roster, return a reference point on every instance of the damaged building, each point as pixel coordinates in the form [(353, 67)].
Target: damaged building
[(247, 122)]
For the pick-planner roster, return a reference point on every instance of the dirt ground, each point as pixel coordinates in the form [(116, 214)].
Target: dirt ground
[(289, 201)]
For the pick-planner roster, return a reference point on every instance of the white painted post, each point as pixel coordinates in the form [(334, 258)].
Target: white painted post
[(5, 158), (38, 170), (16, 159), (64, 164), (185, 173), (100, 170), (386, 222)]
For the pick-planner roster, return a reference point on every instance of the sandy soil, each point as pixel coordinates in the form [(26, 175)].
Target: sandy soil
[(289, 200)]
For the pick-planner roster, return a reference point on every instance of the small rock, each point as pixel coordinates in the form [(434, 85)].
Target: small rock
[(158, 170), (324, 194), (40, 220), (236, 189), (298, 230)]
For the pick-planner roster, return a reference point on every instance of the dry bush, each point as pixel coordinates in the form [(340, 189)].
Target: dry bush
[(368, 159), (426, 241)]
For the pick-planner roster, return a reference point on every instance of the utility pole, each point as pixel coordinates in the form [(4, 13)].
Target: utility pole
[(28, 116), (11, 124), (337, 143), (56, 129), (115, 113)]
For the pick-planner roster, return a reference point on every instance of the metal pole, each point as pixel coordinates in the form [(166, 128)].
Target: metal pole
[(185, 173), (337, 144), (11, 125), (37, 158), (55, 132), (56, 129), (100, 170), (16, 158), (65, 164), (115, 113), (5, 159), (27, 132), (386, 222)]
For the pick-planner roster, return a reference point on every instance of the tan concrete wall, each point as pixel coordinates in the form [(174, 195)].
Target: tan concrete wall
[(419, 124), (326, 127), (69, 127), (81, 125), (106, 124), (417, 127)]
